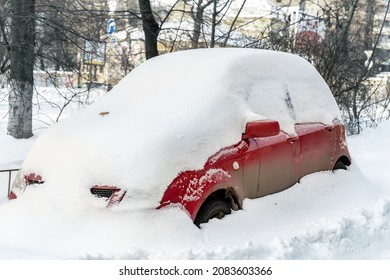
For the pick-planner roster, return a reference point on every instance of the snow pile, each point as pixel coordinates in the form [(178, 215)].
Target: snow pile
[(170, 114)]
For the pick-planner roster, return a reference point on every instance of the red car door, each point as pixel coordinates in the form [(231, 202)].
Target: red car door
[(317, 151), (251, 161), (277, 155)]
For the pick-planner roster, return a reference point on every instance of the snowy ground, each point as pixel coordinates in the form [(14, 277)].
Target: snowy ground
[(341, 215)]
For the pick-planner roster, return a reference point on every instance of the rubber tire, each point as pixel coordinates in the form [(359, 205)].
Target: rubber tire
[(340, 165), (215, 208)]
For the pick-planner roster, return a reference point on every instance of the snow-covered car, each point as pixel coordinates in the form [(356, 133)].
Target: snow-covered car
[(199, 129)]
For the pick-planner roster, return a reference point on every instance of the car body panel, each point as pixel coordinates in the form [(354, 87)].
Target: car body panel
[(251, 168), (317, 151), (276, 164)]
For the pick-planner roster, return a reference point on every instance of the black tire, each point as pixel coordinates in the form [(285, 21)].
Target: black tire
[(215, 208), (340, 165)]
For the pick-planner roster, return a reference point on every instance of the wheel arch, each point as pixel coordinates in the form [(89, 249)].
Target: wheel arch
[(227, 194), (344, 159)]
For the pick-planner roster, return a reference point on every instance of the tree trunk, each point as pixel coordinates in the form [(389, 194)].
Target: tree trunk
[(213, 24), (369, 24), (302, 5), (150, 27), (4, 48), (21, 68), (198, 20)]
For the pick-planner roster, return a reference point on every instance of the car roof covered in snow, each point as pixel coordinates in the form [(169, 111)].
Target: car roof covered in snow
[(173, 112)]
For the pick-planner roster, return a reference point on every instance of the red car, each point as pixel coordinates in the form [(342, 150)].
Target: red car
[(266, 161), (253, 123)]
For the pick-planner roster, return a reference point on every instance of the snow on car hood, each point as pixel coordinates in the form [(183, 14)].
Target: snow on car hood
[(173, 112)]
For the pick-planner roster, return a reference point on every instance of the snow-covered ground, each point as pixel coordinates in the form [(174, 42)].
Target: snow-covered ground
[(341, 215)]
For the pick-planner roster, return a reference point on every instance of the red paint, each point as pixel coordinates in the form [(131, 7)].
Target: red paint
[(33, 178), (116, 198), (106, 187), (264, 128), (191, 188), (29, 179), (12, 196)]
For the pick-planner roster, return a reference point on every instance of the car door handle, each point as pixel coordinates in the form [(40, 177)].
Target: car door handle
[(292, 140)]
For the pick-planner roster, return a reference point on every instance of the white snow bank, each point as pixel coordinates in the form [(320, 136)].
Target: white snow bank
[(326, 216), (371, 148), (13, 152), (170, 114)]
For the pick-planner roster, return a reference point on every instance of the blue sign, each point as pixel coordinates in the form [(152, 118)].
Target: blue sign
[(111, 26)]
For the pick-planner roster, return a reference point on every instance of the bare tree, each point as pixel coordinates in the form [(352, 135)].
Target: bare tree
[(347, 56), (21, 68), (197, 12), (150, 27), (52, 34), (4, 41)]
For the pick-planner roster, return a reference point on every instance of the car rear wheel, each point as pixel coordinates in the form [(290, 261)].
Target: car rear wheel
[(339, 165), (215, 208)]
